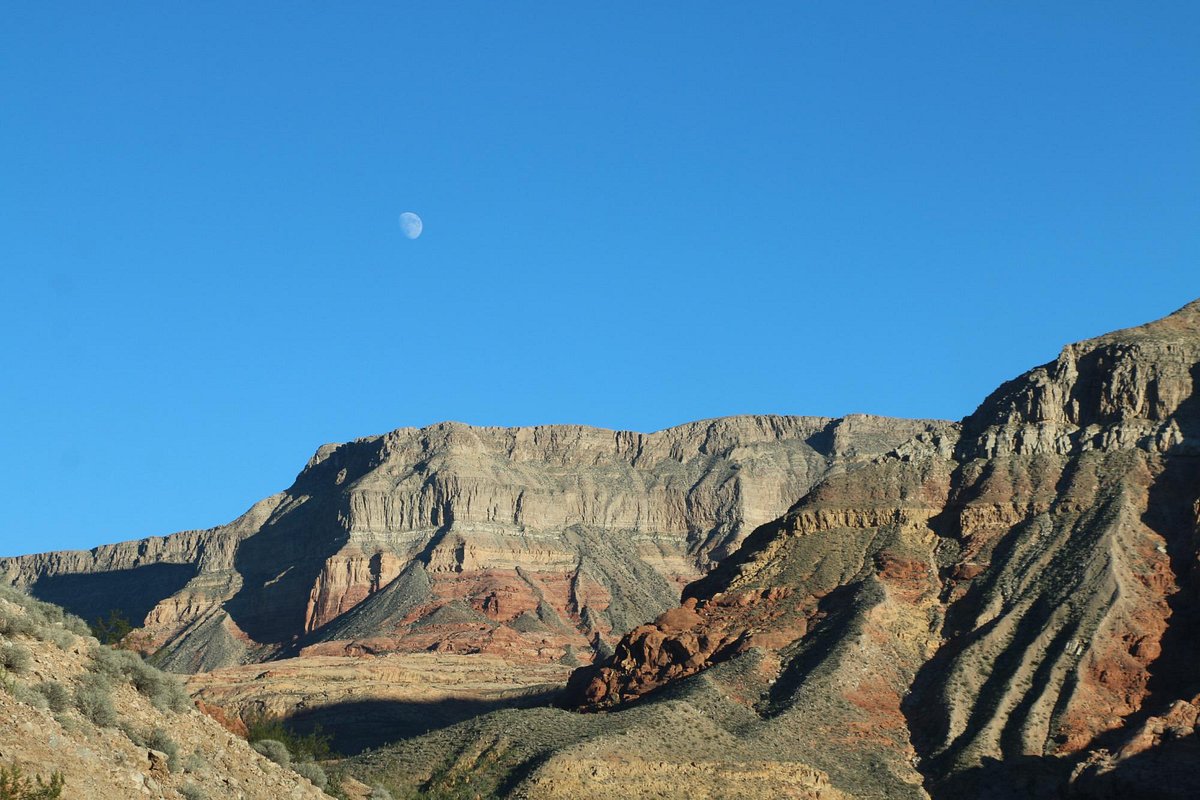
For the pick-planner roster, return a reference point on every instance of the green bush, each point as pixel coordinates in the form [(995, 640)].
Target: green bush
[(93, 698), (14, 785), (274, 750), (59, 637), (191, 791), (314, 746), (379, 793), (133, 734), (76, 625), (15, 658), (117, 665), (113, 629), (313, 772), (161, 741), (165, 691), (195, 763), (15, 623), (57, 696), (23, 693)]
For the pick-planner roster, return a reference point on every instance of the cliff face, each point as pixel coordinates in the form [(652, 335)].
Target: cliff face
[(538, 544), (1008, 609)]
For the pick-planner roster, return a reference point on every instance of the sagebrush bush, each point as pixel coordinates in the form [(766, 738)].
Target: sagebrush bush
[(132, 733), (195, 763), (165, 691), (117, 665), (76, 625), (14, 623), (313, 772), (274, 750), (15, 658), (59, 637), (57, 696), (93, 698), (191, 791), (23, 693), (161, 741), (379, 793)]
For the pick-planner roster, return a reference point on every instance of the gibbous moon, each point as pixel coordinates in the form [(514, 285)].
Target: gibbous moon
[(411, 224)]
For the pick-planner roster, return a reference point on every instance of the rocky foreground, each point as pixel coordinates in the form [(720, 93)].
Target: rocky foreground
[(85, 722)]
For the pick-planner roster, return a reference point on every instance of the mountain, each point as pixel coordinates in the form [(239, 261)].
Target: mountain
[(540, 544), (1005, 608)]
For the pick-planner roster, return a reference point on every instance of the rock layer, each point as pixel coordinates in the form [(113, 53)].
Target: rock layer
[(539, 544), (980, 612)]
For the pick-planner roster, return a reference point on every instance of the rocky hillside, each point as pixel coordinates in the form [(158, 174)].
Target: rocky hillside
[(92, 723), (539, 544), (1003, 609)]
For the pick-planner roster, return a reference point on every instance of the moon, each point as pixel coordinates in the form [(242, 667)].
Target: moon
[(411, 224)]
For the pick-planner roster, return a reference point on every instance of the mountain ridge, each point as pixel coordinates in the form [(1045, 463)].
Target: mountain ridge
[(546, 541)]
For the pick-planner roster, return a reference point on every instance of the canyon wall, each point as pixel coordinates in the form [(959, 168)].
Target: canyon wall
[(539, 544)]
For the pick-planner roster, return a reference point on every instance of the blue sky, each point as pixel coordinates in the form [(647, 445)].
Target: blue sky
[(635, 215)]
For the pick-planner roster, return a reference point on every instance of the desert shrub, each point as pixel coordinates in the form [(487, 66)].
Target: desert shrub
[(379, 793), (15, 785), (313, 772), (274, 750), (111, 630), (191, 791), (29, 696), (117, 665), (59, 637), (15, 658), (93, 698), (76, 625), (161, 741), (15, 623), (165, 691), (195, 763), (57, 697), (133, 734), (314, 746)]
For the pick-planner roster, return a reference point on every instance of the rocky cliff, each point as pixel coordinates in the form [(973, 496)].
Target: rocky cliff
[(1008, 609), (538, 544)]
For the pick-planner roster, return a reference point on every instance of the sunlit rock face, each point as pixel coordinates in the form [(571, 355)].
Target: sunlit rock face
[(995, 610), (540, 544)]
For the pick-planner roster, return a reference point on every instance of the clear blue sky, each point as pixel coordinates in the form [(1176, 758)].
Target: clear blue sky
[(636, 214)]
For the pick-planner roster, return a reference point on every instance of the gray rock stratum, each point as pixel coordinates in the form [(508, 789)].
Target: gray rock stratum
[(539, 544)]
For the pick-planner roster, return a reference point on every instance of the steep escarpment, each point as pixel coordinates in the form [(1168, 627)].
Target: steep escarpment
[(541, 544), (999, 610)]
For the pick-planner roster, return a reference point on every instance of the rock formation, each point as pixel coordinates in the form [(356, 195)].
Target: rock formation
[(540, 544), (1003, 609)]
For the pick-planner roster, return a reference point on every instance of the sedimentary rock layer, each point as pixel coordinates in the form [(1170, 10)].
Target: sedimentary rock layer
[(540, 544), (991, 611)]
